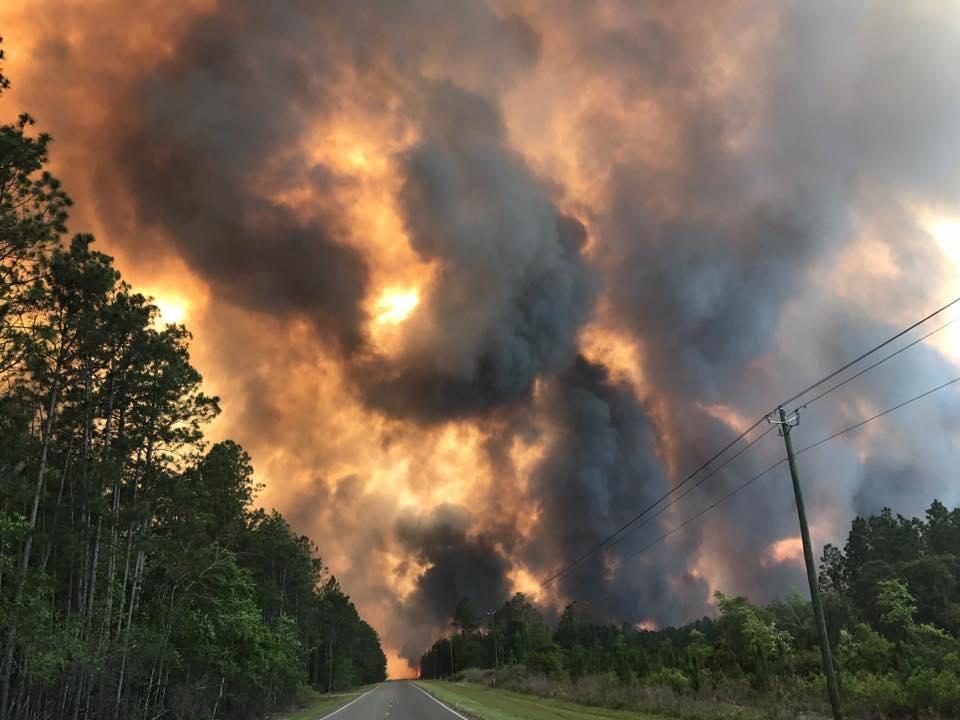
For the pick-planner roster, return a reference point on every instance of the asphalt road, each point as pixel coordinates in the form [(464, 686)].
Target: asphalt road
[(399, 700)]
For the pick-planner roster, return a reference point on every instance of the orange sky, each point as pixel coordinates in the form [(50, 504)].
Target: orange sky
[(602, 108)]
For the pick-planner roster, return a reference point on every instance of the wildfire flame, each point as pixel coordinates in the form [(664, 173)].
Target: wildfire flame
[(789, 549), (395, 305), (173, 309)]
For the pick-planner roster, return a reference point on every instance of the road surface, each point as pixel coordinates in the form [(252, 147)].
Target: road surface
[(399, 700)]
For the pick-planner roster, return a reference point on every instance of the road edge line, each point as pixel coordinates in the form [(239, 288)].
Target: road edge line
[(344, 707), (441, 704)]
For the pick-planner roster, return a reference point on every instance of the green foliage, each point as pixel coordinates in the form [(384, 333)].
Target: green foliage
[(897, 608), (136, 580), (548, 662), (669, 677), (891, 599), (750, 639), (933, 691), (863, 650), (875, 694)]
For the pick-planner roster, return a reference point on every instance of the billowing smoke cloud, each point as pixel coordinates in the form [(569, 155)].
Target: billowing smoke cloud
[(600, 472), (763, 203), (218, 123), (513, 287), (224, 121), (458, 565), (734, 200), (759, 202)]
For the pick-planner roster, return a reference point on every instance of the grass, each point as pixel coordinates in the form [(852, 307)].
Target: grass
[(487, 703), (317, 706)]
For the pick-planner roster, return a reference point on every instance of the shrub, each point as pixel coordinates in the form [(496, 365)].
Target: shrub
[(475, 675), (930, 690), (863, 650), (669, 677), (549, 662), (874, 694)]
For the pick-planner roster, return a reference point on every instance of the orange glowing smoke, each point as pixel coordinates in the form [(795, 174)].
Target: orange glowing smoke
[(312, 438), (789, 549), (325, 459), (342, 471), (395, 305)]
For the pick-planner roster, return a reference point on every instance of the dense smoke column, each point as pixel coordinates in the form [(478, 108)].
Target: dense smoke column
[(723, 262), (217, 125), (221, 121), (600, 472), (698, 261), (737, 154), (513, 287), (459, 563)]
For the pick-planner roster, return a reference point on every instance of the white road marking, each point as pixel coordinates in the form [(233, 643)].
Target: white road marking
[(444, 706), (323, 717)]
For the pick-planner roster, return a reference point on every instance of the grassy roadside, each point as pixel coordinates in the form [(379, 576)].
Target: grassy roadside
[(318, 706), (485, 703)]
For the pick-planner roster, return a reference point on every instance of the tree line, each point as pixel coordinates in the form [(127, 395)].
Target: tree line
[(892, 601), (137, 580)]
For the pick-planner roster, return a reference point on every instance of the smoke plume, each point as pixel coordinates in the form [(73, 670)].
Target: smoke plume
[(479, 280)]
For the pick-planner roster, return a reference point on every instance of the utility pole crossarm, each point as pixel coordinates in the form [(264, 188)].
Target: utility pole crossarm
[(779, 417)]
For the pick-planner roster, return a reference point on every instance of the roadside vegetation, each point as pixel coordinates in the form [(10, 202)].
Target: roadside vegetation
[(495, 704), (136, 578), (892, 598)]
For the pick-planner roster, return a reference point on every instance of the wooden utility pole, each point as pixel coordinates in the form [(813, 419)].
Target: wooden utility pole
[(451, 656), (496, 654), (330, 660), (832, 688)]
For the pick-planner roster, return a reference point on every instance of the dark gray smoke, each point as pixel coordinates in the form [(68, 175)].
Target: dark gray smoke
[(459, 565), (756, 220), (735, 153), (215, 124), (224, 119), (701, 258), (514, 288), (704, 280), (600, 472)]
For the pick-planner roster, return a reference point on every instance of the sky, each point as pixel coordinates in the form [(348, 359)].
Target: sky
[(478, 280)]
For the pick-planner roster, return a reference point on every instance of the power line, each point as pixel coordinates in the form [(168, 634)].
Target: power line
[(868, 353), (703, 512), (606, 541), (690, 489), (877, 363), (826, 654), (756, 477), (572, 567), (879, 415), (620, 531)]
